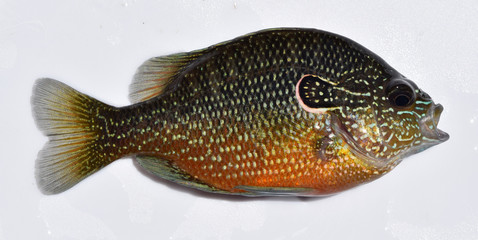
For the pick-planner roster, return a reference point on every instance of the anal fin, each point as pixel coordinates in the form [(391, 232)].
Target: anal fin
[(276, 191), (167, 170)]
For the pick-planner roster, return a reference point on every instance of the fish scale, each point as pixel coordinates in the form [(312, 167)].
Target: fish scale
[(277, 112)]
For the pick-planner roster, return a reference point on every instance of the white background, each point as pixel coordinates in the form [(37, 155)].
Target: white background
[(96, 46)]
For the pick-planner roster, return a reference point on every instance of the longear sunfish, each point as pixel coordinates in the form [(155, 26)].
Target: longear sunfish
[(299, 112)]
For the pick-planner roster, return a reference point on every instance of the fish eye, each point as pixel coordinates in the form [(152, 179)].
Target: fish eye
[(401, 94), (402, 100)]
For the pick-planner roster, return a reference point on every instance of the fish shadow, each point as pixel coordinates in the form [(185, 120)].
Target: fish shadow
[(220, 196)]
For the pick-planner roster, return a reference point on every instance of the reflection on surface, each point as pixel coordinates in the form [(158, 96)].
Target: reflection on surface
[(222, 218), (65, 222), (401, 227)]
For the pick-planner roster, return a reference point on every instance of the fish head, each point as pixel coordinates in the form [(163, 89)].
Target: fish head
[(382, 121), (386, 123), (411, 122)]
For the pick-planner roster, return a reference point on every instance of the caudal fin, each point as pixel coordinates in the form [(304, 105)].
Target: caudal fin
[(70, 120)]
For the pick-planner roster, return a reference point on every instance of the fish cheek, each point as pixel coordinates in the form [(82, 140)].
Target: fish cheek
[(353, 116), (359, 126), (399, 129)]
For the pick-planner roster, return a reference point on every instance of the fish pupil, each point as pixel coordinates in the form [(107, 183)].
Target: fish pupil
[(401, 94), (402, 100)]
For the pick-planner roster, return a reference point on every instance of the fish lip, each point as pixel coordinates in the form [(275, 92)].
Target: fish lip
[(429, 123)]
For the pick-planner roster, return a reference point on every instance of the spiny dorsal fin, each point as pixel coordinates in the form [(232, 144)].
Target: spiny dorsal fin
[(154, 75)]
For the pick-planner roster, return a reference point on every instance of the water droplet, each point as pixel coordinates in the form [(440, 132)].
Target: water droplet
[(473, 119), (113, 40)]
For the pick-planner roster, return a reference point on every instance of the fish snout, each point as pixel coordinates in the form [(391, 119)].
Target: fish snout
[(429, 125)]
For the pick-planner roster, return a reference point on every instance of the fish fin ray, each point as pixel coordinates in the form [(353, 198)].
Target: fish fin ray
[(155, 75), (276, 191), (64, 115), (169, 171)]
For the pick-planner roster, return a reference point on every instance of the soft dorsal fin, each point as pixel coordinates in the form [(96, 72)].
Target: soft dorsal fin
[(154, 75)]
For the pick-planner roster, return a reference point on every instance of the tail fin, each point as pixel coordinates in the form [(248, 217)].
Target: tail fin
[(70, 120)]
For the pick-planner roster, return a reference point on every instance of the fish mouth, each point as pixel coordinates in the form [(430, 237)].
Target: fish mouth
[(429, 123)]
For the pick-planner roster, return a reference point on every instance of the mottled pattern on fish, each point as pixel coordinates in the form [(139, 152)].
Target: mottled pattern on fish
[(286, 111)]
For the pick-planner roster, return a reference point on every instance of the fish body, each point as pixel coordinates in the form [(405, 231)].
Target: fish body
[(276, 112)]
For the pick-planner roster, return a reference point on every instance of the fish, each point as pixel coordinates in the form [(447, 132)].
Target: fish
[(278, 112)]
